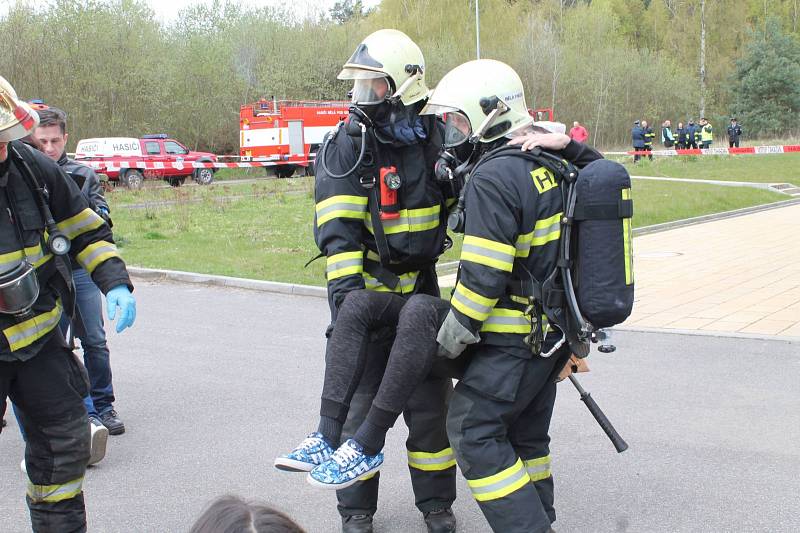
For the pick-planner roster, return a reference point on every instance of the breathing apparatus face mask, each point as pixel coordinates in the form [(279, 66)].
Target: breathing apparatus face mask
[(457, 129), (370, 91), (19, 289)]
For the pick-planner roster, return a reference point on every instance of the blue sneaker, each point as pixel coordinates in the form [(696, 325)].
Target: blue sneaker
[(347, 465), (313, 451)]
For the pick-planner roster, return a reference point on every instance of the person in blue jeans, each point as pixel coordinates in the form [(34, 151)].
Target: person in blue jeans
[(87, 325), (88, 320)]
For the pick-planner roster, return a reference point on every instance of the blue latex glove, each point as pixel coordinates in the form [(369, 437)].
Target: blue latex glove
[(121, 297)]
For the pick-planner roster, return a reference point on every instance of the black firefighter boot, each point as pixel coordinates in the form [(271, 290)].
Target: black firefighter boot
[(440, 521), (357, 523)]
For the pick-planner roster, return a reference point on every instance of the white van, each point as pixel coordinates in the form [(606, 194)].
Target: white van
[(108, 146)]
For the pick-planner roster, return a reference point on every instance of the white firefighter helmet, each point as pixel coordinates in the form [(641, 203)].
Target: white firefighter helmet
[(481, 100), (387, 64), (17, 119)]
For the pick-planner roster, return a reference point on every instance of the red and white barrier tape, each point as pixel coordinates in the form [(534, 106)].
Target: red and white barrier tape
[(779, 149), (117, 164)]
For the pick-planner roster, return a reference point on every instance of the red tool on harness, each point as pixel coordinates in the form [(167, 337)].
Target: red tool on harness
[(390, 183)]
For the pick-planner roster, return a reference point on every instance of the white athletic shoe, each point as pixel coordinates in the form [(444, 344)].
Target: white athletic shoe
[(99, 440)]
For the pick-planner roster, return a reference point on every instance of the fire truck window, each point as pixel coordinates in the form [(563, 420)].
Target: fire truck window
[(174, 148), (152, 148)]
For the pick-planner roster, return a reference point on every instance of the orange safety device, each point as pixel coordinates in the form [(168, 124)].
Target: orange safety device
[(390, 182)]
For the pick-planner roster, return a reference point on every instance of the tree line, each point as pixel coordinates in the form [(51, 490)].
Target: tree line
[(119, 71)]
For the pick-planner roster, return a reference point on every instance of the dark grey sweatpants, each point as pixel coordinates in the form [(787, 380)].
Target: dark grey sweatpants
[(411, 360)]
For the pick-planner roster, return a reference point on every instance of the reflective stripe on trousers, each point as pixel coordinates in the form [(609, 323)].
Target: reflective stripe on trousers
[(538, 468), (500, 484), (432, 461), (55, 493)]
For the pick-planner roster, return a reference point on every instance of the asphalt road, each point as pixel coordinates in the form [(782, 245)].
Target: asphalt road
[(213, 383)]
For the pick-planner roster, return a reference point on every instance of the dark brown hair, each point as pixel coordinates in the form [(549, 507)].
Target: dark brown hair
[(231, 514), (30, 140), (53, 116)]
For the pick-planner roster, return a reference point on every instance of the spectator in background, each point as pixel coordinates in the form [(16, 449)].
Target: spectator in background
[(231, 514), (667, 139), (734, 132), (680, 137), (692, 135), (578, 133), (637, 139), (706, 133), (87, 324), (648, 138)]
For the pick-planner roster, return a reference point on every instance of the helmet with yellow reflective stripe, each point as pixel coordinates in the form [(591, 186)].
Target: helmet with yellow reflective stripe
[(481, 101), (386, 65), (17, 119)]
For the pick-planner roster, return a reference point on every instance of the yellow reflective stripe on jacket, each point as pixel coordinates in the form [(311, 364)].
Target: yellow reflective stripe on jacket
[(488, 252), (342, 206), (432, 461), (407, 283), (27, 332), (94, 254), (35, 255), (344, 264), (86, 220), (421, 219), (627, 242), (55, 493), (544, 231), (501, 484), (539, 468), (471, 303), (507, 321)]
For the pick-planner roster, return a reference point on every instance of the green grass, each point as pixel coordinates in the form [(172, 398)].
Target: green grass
[(156, 193), (773, 168), (655, 202), (264, 230)]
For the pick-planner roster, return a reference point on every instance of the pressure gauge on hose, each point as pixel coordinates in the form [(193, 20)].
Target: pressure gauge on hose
[(58, 243)]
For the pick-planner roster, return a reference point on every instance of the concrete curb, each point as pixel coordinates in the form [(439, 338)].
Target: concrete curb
[(710, 333), (751, 184), (152, 274), (655, 228)]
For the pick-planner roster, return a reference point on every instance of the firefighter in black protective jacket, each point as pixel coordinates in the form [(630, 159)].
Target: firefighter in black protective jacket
[(45, 217), (500, 411), (391, 250)]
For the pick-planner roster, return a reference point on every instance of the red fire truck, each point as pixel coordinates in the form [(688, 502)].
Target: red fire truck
[(542, 114), (286, 131)]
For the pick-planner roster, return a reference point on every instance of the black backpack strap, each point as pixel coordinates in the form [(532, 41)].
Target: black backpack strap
[(622, 209), (63, 284)]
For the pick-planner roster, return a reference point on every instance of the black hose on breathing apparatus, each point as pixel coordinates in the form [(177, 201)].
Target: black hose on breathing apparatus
[(357, 119), (57, 242)]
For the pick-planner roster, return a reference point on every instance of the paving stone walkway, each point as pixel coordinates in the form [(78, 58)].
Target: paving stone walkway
[(739, 274)]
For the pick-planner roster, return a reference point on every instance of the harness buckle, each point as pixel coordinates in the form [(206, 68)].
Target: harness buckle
[(368, 182)]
